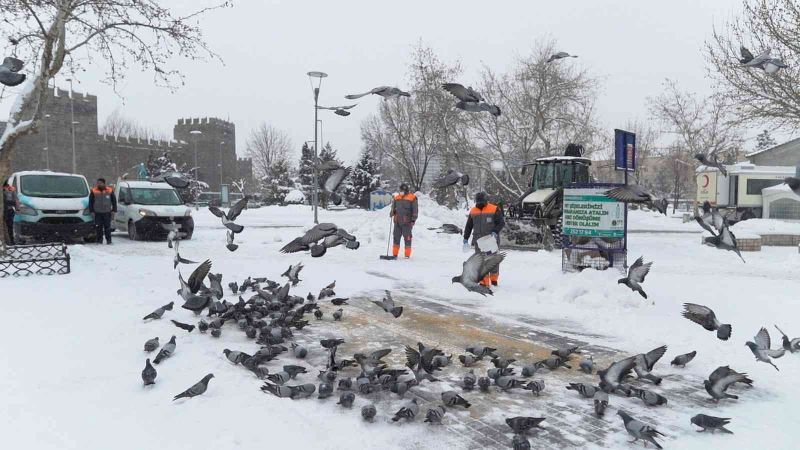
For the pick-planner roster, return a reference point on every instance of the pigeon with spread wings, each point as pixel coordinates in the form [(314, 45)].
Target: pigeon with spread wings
[(475, 268), (386, 92), (636, 274)]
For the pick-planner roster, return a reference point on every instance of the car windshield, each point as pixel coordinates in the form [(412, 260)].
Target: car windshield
[(53, 186), (552, 175), (147, 196), (543, 176)]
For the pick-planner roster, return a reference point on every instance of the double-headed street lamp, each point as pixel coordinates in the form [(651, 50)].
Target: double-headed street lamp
[(196, 133), (319, 76)]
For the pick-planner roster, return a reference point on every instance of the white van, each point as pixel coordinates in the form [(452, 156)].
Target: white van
[(51, 206), (143, 207)]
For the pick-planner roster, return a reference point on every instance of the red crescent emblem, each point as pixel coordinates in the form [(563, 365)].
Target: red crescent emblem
[(707, 181)]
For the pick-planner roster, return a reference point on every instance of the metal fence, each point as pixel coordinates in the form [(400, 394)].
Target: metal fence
[(35, 259)]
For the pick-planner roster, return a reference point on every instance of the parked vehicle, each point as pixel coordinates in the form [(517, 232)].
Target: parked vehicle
[(144, 207), (739, 194), (51, 206)]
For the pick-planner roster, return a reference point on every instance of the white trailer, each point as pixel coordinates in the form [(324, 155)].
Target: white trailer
[(740, 192)]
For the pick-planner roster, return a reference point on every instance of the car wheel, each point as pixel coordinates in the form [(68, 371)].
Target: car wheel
[(132, 234)]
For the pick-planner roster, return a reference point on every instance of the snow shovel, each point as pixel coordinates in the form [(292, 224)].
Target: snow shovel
[(387, 256)]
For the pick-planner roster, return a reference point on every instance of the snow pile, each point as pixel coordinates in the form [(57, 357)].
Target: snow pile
[(294, 196), (765, 226)]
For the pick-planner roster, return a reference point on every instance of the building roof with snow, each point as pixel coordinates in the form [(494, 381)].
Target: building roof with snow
[(786, 154)]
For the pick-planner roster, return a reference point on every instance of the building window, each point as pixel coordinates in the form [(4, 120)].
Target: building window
[(785, 208), (754, 187)]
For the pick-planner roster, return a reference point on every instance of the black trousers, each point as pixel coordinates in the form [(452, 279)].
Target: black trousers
[(102, 226), (8, 218)]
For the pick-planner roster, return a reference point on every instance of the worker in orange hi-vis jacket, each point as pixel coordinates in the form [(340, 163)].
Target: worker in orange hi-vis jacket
[(404, 213), (484, 219)]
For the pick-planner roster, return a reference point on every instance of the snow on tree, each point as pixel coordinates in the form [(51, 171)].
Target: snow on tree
[(328, 153), (306, 170), (162, 164), (364, 179), (764, 141), (159, 165), (277, 183)]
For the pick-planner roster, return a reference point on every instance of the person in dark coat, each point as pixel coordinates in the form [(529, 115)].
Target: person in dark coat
[(102, 205), (404, 212), (484, 219), (9, 201)]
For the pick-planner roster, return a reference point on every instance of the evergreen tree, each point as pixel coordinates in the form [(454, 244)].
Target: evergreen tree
[(306, 171), (159, 165), (162, 164), (764, 141), (363, 180), (328, 153), (277, 183)]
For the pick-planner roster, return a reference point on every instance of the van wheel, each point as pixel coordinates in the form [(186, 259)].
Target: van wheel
[(132, 234)]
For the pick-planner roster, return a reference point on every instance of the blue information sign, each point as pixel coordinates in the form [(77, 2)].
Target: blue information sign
[(624, 150)]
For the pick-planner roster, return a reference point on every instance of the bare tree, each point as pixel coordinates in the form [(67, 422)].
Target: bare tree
[(51, 35), (753, 93), (117, 125), (267, 145)]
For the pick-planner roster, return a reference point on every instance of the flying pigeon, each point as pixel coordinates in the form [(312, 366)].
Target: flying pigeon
[(521, 425), (302, 243), (151, 344), (229, 235), (711, 160), (763, 60), (388, 305), (600, 403), (422, 361), (560, 55), (338, 110), (762, 350), (636, 274), (639, 430), (465, 94), (183, 326), (335, 178), (198, 389), (166, 351), (792, 345), (195, 282), (177, 180), (720, 380), (725, 240), (711, 219), (451, 178), (479, 107), (232, 214), (292, 273), (8, 72), (633, 193), (158, 313), (386, 92), (646, 361), (611, 377), (178, 259), (369, 363), (711, 423), (723, 371), (368, 412), (149, 373), (683, 360), (451, 398), (705, 317), (435, 415), (475, 268)]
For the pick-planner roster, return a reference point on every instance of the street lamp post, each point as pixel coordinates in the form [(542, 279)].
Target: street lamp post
[(220, 164), (72, 119), (319, 76), (46, 144), (196, 167)]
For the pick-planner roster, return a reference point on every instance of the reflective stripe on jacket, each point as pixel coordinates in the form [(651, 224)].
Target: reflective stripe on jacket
[(102, 201), (482, 222), (404, 208)]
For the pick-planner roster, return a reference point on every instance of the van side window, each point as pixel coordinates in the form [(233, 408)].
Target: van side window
[(123, 195)]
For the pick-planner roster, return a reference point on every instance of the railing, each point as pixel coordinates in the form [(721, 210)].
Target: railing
[(35, 259)]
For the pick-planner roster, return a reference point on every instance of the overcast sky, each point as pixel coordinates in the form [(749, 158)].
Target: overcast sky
[(268, 46)]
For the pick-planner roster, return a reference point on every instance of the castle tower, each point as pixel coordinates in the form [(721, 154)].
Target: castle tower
[(211, 146)]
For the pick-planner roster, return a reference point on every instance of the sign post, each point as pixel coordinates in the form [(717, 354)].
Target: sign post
[(594, 228)]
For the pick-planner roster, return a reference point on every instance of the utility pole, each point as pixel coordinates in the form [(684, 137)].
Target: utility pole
[(315, 196)]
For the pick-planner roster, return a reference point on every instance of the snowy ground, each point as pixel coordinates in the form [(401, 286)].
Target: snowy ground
[(74, 343)]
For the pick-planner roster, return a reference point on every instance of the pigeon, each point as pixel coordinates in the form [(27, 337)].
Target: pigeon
[(234, 286), (633, 193), (585, 390), (553, 363), (683, 360), (292, 273), (529, 370), (646, 361), (198, 389), (388, 305), (560, 55), (422, 361), (337, 315), (468, 360), (587, 365), (520, 442), (435, 415), (507, 382), (792, 345), (368, 412), (325, 390), (166, 351), (177, 258), (448, 228), (236, 357), (202, 326), (639, 430), (338, 110), (711, 219), (501, 363), (215, 285), (649, 398), (335, 178), (468, 381), (408, 411), (611, 377), (197, 303), (299, 351), (720, 380), (8, 72), (229, 235), (469, 99), (183, 326), (711, 423), (339, 301), (327, 291), (636, 275), (565, 352), (158, 313), (401, 387), (195, 283), (600, 403), (536, 387), (763, 60), (149, 373), (725, 240), (216, 332), (451, 398), (484, 383), (345, 384), (704, 316), (369, 363), (292, 392), (479, 107), (232, 214), (151, 344), (495, 373), (318, 314), (762, 350), (521, 425), (451, 178), (710, 160), (346, 399), (177, 180), (475, 268), (386, 92)]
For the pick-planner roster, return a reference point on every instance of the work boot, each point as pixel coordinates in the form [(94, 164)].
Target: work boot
[(494, 283)]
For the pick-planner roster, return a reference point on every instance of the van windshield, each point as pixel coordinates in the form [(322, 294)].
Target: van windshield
[(147, 196), (53, 186)]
